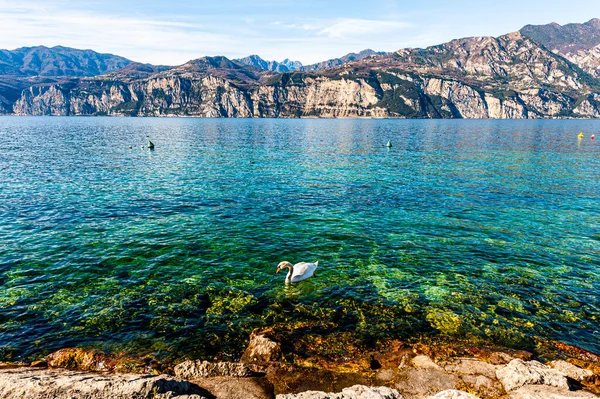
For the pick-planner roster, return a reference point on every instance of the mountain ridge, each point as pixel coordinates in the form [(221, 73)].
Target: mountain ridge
[(510, 76), (567, 38), (58, 61), (290, 66)]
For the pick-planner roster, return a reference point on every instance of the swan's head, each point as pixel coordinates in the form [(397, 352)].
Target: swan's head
[(283, 265)]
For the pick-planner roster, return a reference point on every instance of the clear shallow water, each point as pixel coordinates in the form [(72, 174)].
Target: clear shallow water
[(485, 229)]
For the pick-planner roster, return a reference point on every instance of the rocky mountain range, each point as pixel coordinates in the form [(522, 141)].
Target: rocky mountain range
[(288, 66), (545, 71), (274, 66)]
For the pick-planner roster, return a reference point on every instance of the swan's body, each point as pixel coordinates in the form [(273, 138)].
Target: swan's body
[(298, 272)]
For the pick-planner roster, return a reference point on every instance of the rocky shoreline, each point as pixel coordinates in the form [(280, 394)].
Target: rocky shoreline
[(269, 369)]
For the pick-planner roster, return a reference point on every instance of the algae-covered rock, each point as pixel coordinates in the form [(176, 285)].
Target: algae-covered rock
[(519, 373), (92, 360), (10, 365), (483, 386)]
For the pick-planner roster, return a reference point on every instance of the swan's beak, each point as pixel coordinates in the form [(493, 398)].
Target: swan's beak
[(278, 269)]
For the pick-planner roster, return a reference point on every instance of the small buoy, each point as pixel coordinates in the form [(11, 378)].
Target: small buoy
[(592, 137), (130, 147), (389, 144), (580, 135)]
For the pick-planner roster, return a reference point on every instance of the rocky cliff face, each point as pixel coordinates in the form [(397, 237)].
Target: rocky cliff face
[(507, 77), (588, 60)]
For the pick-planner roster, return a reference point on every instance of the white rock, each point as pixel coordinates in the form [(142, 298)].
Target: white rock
[(25, 383), (354, 392), (453, 394), (518, 373), (547, 392), (570, 370)]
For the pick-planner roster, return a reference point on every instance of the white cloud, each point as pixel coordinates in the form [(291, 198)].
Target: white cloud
[(141, 39), (347, 28), (175, 39)]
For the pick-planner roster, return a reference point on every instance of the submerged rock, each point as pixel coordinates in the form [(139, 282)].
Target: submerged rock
[(354, 392), (10, 365), (519, 373), (91, 360), (25, 383), (262, 349)]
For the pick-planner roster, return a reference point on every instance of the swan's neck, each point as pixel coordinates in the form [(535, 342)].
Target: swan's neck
[(288, 278)]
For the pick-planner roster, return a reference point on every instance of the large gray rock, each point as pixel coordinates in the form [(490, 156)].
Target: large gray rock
[(237, 388), (453, 394), (425, 362), (518, 373), (24, 383), (195, 368), (548, 392), (424, 382), (570, 370), (354, 392), (472, 367)]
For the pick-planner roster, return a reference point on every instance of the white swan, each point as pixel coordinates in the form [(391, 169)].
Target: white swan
[(298, 272)]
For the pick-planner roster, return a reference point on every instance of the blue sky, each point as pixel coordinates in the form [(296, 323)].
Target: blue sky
[(174, 32)]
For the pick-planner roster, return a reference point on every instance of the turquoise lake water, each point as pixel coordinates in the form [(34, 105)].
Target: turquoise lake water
[(482, 229)]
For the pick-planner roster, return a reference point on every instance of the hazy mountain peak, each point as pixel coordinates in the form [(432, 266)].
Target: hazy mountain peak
[(284, 66), (567, 38), (58, 61)]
